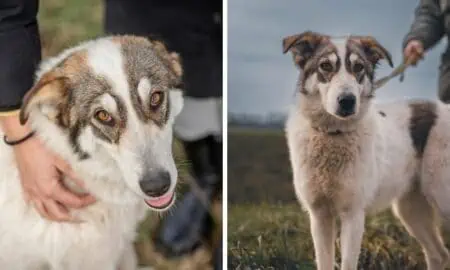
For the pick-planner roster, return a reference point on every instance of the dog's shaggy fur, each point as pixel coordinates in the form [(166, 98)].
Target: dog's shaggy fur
[(351, 157), (107, 107)]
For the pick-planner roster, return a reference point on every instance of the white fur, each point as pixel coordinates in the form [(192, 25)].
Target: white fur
[(144, 89), (104, 240), (380, 171)]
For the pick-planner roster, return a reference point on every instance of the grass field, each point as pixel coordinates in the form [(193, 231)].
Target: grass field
[(64, 23), (267, 229)]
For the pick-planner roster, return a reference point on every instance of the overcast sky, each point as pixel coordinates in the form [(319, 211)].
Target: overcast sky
[(262, 79)]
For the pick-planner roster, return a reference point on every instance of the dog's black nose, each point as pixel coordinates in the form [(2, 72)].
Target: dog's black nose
[(155, 183), (347, 104)]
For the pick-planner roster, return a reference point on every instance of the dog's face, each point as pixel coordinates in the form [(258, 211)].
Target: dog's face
[(113, 101), (337, 74)]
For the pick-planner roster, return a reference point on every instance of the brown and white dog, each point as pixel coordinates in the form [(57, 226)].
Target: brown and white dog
[(107, 107), (351, 157)]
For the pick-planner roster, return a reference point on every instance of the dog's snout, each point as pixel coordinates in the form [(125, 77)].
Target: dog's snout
[(347, 104), (156, 183)]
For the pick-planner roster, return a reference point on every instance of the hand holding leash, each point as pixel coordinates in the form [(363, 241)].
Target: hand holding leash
[(414, 52)]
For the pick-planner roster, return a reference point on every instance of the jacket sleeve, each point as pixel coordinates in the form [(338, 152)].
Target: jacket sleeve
[(20, 51), (428, 26)]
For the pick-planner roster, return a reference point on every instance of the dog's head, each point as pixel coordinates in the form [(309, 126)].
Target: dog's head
[(108, 107), (337, 74)]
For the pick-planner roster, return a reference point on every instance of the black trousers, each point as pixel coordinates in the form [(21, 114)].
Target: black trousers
[(191, 28), (20, 50)]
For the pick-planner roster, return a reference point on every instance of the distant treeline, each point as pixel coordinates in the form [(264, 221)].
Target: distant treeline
[(270, 120)]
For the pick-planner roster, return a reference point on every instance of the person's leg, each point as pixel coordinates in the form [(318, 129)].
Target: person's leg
[(444, 82)]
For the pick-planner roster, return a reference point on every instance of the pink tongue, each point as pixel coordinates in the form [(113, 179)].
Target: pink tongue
[(160, 202)]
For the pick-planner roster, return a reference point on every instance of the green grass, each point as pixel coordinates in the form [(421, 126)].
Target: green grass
[(267, 236), (258, 167), (267, 229), (64, 23)]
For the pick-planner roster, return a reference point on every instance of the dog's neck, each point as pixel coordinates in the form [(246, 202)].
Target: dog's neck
[(323, 122), (329, 132)]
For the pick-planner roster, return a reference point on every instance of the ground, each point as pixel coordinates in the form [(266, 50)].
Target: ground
[(64, 23), (267, 228)]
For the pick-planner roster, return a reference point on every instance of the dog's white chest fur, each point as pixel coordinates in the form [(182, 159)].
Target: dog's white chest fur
[(29, 242), (369, 166)]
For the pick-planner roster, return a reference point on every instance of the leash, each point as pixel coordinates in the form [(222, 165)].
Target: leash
[(400, 70)]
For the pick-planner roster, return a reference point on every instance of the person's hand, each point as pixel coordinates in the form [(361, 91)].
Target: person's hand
[(40, 174), (413, 52)]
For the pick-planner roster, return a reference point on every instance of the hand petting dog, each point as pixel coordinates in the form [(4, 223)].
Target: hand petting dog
[(40, 174)]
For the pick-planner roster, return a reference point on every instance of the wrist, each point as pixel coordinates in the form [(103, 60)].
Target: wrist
[(13, 129), (16, 142)]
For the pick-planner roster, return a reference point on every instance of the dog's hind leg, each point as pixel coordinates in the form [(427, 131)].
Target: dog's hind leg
[(419, 218), (352, 229), (323, 231)]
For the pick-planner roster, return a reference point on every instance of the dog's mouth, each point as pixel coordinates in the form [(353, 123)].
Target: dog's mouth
[(161, 203)]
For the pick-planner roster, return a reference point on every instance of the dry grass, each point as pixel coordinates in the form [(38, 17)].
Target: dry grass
[(64, 23), (267, 229)]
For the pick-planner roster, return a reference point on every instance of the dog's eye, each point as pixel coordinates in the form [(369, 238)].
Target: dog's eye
[(326, 66), (104, 117), (156, 99), (358, 67)]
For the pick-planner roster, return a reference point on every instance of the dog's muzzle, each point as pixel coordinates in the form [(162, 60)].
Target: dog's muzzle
[(155, 183), (347, 105)]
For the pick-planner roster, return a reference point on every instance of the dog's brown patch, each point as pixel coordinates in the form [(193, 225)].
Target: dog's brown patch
[(144, 58), (75, 63), (423, 118), (172, 60), (373, 49), (311, 65), (303, 46), (50, 89)]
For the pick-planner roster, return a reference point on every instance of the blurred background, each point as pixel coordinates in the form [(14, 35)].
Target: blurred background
[(267, 229), (64, 23)]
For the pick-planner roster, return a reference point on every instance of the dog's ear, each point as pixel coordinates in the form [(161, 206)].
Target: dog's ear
[(171, 59), (302, 46), (374, 50), (176, 67), (50, 94)]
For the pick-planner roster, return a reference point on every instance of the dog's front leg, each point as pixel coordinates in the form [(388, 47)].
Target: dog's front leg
[(352, 229), (128, 260), (323, 226)]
